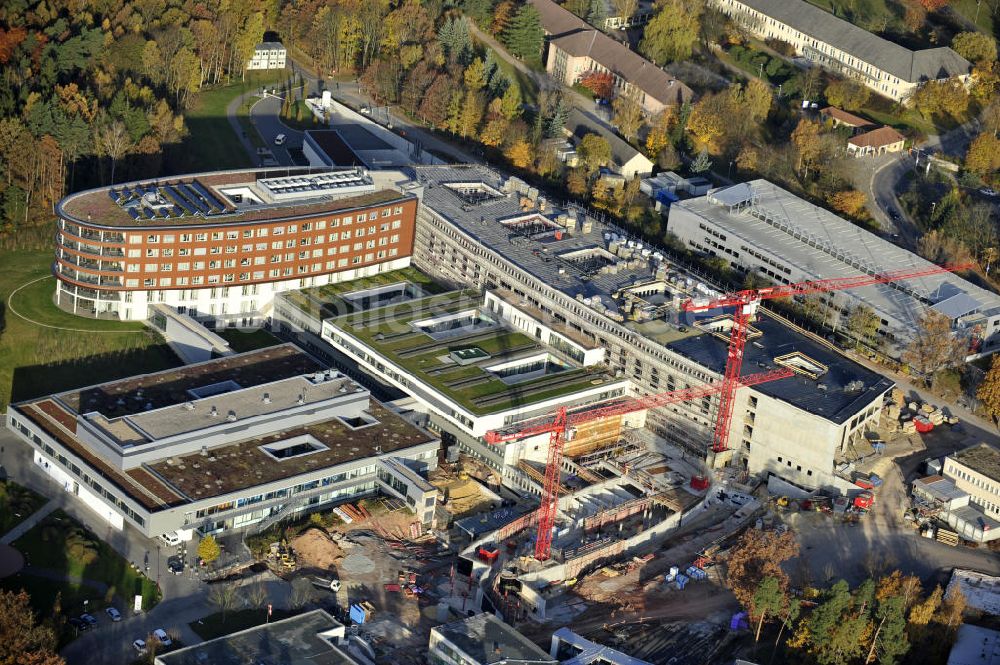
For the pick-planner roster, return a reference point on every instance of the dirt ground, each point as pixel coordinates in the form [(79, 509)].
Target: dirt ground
[(317, 550)]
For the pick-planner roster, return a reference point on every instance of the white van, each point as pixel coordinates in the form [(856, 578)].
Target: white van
[(279, 139), (171, 539)]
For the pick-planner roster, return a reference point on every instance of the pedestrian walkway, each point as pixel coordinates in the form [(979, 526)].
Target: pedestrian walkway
[(32, 520)]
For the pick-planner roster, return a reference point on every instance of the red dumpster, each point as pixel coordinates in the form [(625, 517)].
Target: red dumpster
[(699, 482), (864, 500), (922, 424)]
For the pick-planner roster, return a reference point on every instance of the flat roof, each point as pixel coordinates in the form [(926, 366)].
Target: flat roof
[(587, 652), (981, 458), (940, 488), (844, 389), (334, 148), (486, 639), (330, 300), (769, 218), (305, 639), (981, 591), (539, 255), (244, 464), (134, 394), (392, 332), (172, 479), (975, 645), (198, 199)]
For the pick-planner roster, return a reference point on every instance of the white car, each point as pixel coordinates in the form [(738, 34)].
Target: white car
[(139, 646), (279, 139), (988, 191), (114, 614), (162, 637), (171, 539)]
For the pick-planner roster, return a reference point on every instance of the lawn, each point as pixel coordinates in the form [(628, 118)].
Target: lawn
[(16, 504), (101, 575), (325, 301), (526, 84), (211, 143), (248, 340), (212, 626), (479, 390), (37, 360), (967, 9)]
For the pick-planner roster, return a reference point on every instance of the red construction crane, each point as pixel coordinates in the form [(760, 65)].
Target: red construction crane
[(746, 302), (557, 426)]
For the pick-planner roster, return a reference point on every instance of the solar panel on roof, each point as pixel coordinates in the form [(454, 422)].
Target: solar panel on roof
[(133, 213)]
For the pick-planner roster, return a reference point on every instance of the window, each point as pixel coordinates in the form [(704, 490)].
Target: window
[(215, 250), (152, 239), (168, 253), (185, 237), (200, 237), (152, 252), (292, 228), (134, 253), (362, 217), (216, 235), (231, 235), (183, 251), (229, 263)]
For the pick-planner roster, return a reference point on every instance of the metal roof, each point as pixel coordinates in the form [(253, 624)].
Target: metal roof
[(820, 245), (899, 61)]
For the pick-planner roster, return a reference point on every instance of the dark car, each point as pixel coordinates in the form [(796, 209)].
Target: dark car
[(90, 619), (79, 624), (175, 565)]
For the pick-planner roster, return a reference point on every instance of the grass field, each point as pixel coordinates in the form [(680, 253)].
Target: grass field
[(16, 504), (98, 573), (36, 360), (212, 626), (249, 340), (212, 144)]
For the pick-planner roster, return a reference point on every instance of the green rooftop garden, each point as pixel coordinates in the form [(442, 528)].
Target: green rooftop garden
[(390, 331), (327, 301)]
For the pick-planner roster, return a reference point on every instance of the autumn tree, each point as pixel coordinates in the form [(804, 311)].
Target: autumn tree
[(758, 98), (863, 324), (627, 113), (602, 84), (989, 390), (758, 555), (806, 138), (975, 46), (673, 31), (22, 639), (847, 94), (519, 153), (593, 151), (851, 202), (208, 549), (701, 163), (983, 156), (112, 141), (625, 9), (659, 133), (934, 346), (949, 97)]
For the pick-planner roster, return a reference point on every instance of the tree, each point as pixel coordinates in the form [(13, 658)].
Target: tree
[(472, 113), (475, 75), (975, 46), (989, 390), (658, 136), (223, 595), (851, 202), (948, 97), (768, 600), (983, 156), (758, 99), (112, 141), (602, 84), (673, 31), (256, 593), (208, 549), (556, 122), (806, 137), (576, 182), (922, 613), (594, 151), (625, 9), (756, 556), (863, 323), (523, 35), (510, 103), (834, 633), (701, 163), (627, 111), (519, 154), (847, 94), (22, 639), (934, 346), (709, 122)]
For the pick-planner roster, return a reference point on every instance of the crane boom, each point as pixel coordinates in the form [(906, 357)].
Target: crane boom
[(556, 428), (631, 405), (819, 286), (746, 303)]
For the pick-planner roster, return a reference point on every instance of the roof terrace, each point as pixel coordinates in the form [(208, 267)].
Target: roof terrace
[(433, 339)]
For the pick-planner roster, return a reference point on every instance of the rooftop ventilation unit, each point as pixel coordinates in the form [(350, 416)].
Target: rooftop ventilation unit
[(231, 417), (214, 412), (189, 406), (266, 399)]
